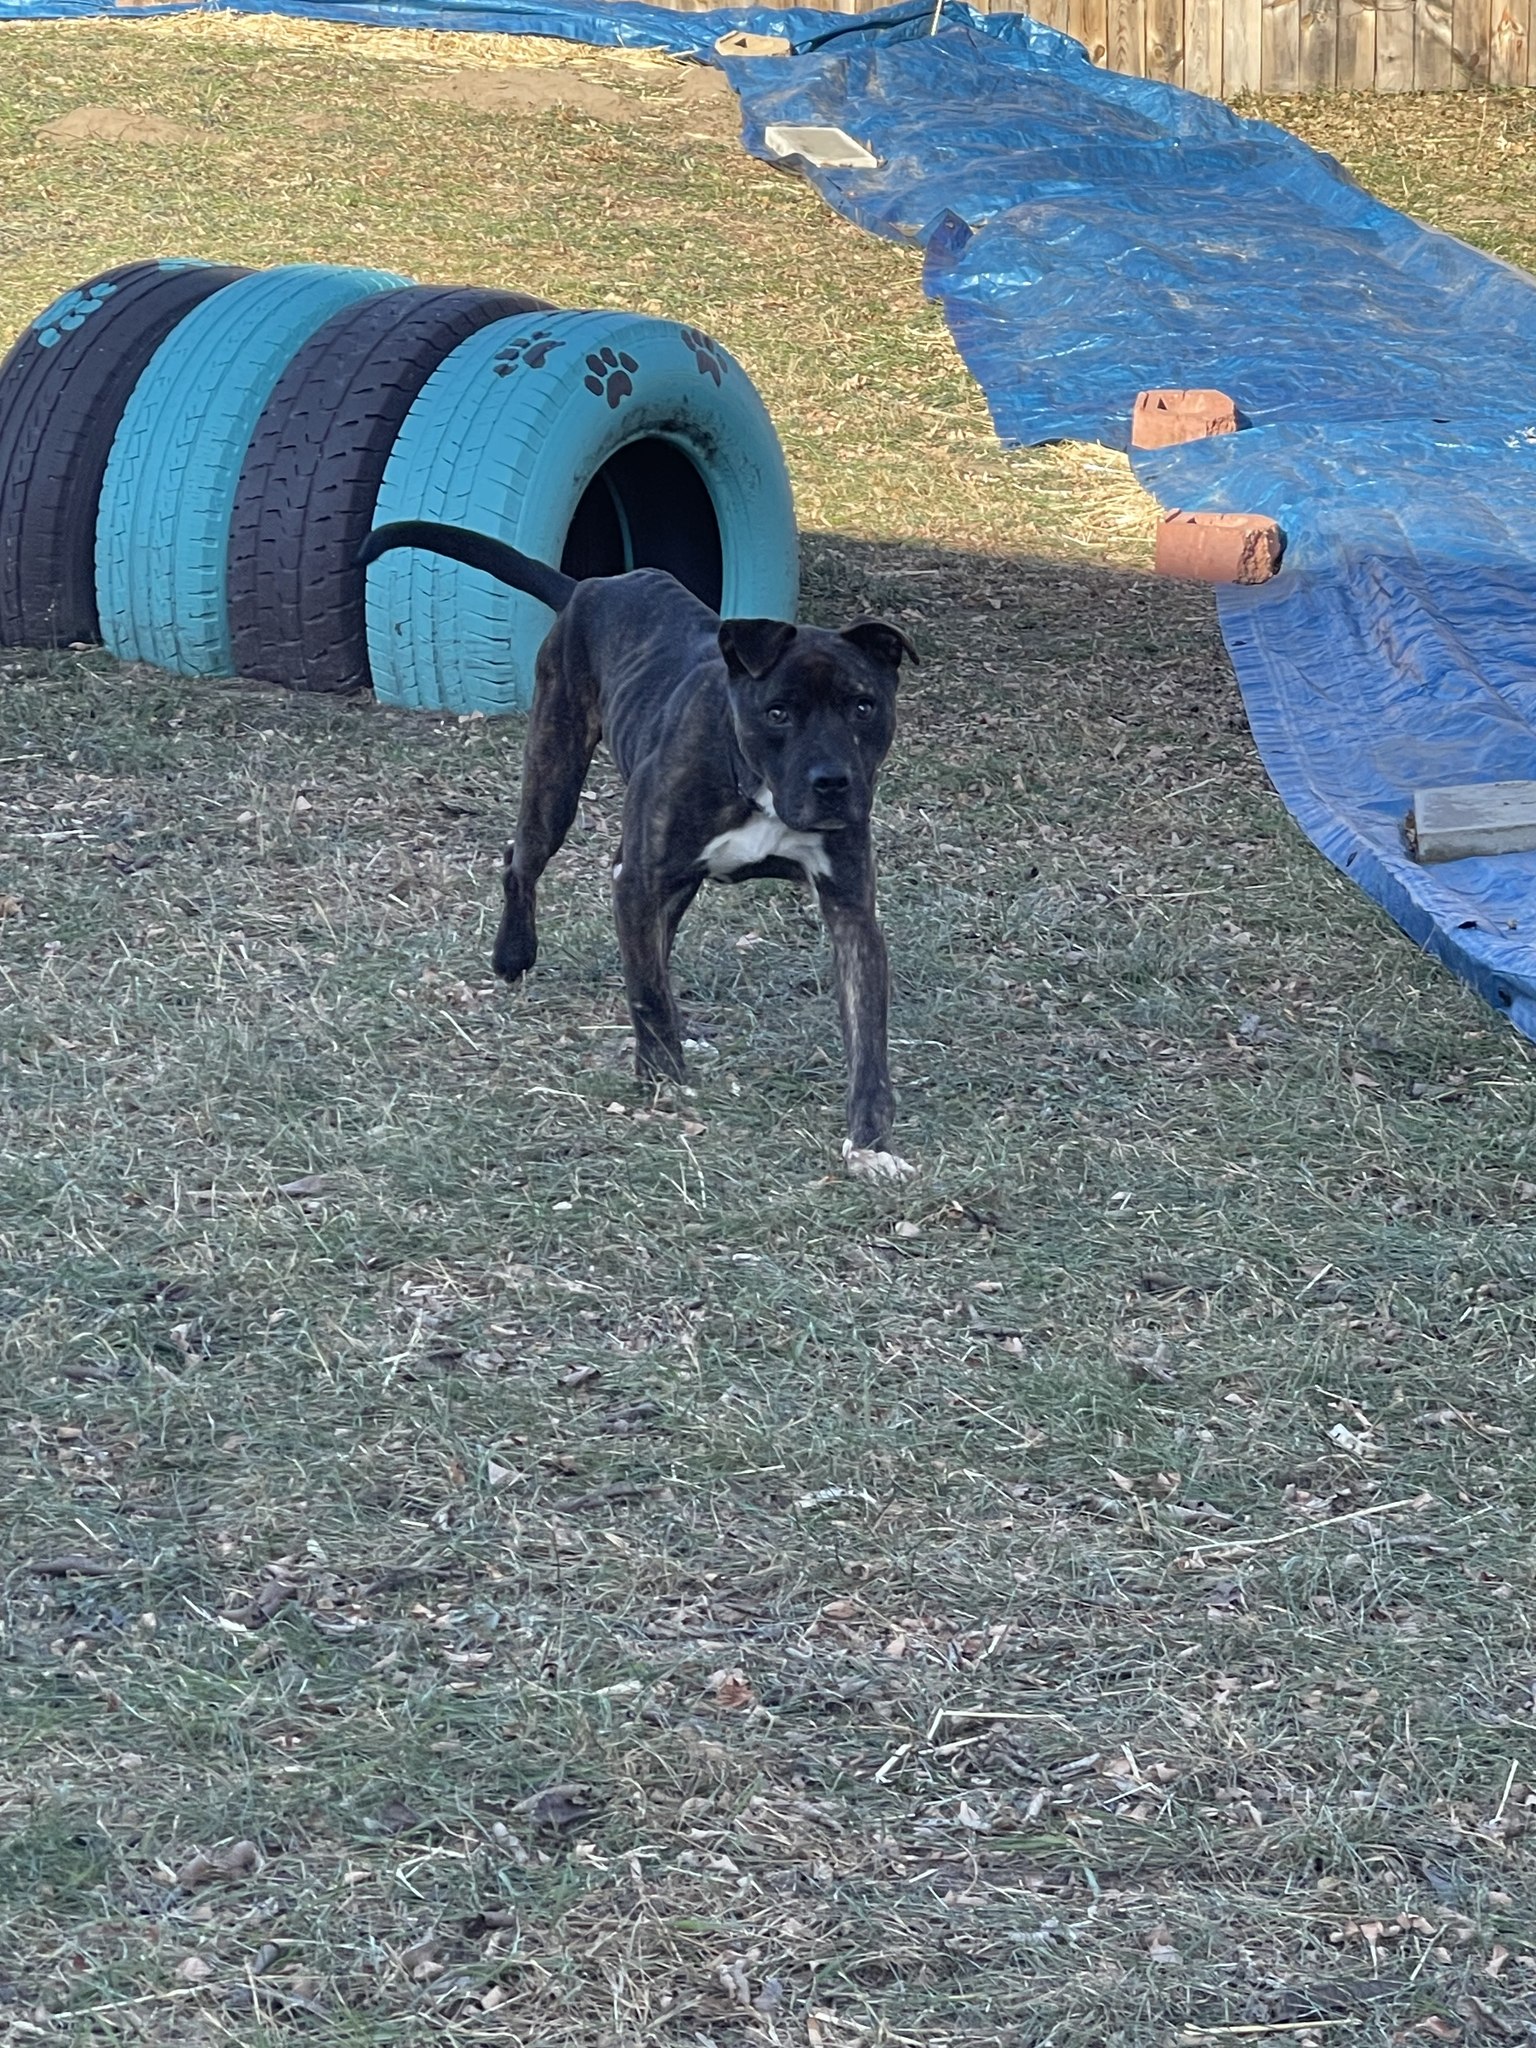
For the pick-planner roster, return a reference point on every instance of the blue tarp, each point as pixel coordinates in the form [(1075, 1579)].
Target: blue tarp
[(1089, 236)]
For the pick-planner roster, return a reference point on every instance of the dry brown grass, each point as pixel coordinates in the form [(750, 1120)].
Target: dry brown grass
[(622, 1582)]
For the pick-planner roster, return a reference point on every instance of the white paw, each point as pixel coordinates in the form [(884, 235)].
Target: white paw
[(864, 1163)]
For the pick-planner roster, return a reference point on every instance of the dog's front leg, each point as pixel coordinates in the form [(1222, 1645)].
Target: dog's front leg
[(647, 915), (863, 1000)]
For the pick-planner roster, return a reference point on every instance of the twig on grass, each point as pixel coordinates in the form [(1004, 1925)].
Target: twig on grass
[(1415, 1500), (1509, 1784), (1274, 2027)]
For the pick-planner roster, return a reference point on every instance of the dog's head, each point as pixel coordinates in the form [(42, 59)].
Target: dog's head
[(815, 713)]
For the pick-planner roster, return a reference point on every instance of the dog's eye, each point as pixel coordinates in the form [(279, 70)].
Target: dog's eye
[(776, 715), (864, 708)]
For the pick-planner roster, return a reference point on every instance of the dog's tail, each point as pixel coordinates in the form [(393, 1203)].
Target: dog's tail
[(476, 551)]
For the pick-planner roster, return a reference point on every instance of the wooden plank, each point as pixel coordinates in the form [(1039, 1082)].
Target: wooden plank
[(1471, 28), (1241, 47), (1202, 46), (1509, 42), (1469, 820), (1165, 40), (1355, 69), (1319, 61), (1091, 19), (1394, 45), (1128, 37), (1280, 45), (1432, 46)]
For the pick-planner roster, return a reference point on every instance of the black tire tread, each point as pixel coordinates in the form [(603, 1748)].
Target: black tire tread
[(60, 408), (311, 478)]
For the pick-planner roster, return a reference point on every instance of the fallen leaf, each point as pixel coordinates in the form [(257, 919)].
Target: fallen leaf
[(560, 1806), (732, 1690), (734, 1981), (396, 1817), (273, 1592), (484, 1923), (423, 1960), (1160, 1946), (241, 1859), (631, 1419), (599, 1497), (771, 1996)]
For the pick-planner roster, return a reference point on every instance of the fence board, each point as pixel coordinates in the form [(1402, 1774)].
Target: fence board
[(1165, 40), (1355, 69), (1469, 42), (1394, 45), (1280, 45), (1319, 58), (1509, 42), (1127, 36), (1241, 47), (1432, 46), (1202, 46), (1089, 22)]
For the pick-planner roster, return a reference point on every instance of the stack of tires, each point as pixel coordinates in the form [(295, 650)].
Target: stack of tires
[(191, 456)]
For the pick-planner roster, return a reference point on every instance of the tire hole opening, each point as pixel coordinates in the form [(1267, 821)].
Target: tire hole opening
[(648, 508)]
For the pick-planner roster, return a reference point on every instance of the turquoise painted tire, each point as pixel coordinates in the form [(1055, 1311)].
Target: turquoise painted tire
[(162, 526), (596, 441)]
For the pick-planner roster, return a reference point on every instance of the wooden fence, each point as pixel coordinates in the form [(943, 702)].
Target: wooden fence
[(1226, 47)]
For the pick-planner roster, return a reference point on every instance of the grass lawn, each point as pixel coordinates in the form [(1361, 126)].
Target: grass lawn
[(493, 1557)]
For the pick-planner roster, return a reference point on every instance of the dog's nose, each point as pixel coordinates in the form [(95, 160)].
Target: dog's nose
[(830, 781)]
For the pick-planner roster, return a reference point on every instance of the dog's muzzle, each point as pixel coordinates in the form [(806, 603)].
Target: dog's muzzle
[(828, 804)]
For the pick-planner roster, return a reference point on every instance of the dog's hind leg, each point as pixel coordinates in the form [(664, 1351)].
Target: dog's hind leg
[(564, 728)]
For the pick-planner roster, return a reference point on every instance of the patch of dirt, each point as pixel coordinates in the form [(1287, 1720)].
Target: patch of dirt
[(116, 124), (699, 86), (711, 108), (528, 92), (319, 124)]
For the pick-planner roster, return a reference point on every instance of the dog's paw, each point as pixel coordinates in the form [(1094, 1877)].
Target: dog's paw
[(865, 1163), (515, 950)]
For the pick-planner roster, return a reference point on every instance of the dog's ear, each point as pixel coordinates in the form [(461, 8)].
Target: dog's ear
[(881, 642), (752, 646)]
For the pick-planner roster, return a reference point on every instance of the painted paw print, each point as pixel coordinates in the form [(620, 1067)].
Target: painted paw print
[(68, 313), (709, 355), (610, 375), (529, 351)]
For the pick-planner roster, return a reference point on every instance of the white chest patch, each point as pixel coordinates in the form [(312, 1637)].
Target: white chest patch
[(760, 838)]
